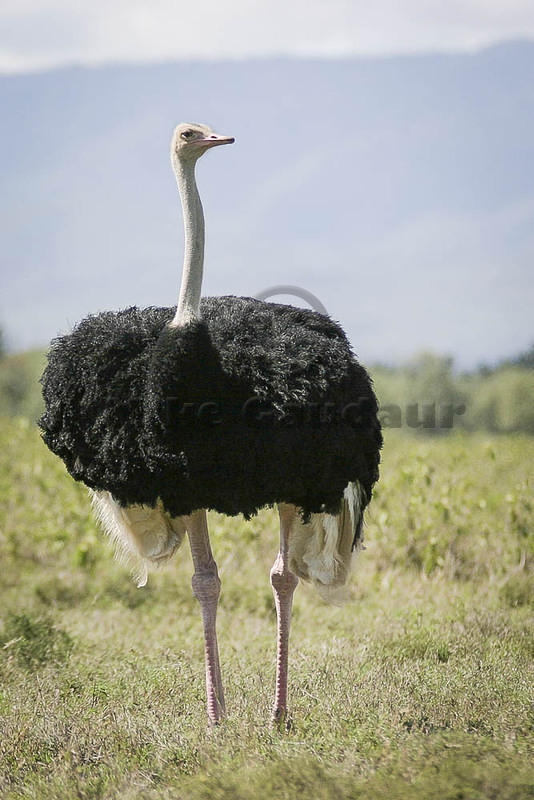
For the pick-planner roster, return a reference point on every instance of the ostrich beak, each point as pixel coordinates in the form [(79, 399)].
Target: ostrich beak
[(214, 140)]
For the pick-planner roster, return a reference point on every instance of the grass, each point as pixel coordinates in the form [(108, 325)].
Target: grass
[(422, 686)]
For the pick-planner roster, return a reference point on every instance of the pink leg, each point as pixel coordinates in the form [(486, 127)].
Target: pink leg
[(284, 583), (206, 588)]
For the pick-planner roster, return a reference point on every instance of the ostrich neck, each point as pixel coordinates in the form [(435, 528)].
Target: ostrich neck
[(188, 309)]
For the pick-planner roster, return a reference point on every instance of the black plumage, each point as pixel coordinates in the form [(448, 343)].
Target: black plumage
[(257, 403)]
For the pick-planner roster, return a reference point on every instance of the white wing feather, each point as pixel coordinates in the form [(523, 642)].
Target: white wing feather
[(145, 535)]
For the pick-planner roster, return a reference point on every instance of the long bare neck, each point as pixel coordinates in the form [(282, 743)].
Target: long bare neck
[(188, 309)]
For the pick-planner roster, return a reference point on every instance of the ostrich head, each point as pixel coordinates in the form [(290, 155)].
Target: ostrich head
[(190, 140)]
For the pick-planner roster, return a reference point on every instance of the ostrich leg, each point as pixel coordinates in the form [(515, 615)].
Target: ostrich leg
[(206, 588), (283, 582)]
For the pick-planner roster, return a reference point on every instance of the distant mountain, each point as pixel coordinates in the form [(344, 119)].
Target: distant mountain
[(399, 190)]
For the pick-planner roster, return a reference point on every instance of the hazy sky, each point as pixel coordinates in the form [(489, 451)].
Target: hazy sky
[(37, 34)]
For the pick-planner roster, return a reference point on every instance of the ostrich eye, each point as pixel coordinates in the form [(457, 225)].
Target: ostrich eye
[(187, 134)]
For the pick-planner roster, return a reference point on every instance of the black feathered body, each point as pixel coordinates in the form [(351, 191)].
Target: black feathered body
[(258, 403)]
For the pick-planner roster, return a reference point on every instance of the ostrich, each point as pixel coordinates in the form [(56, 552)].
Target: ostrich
[(226, 403)]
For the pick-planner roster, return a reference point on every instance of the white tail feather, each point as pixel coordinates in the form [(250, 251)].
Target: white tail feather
[(142, 535), (320, 551)]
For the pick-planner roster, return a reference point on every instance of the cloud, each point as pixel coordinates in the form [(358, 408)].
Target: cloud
[(37, 34)]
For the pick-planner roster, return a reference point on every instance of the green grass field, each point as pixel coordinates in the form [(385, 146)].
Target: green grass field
[(422, 686)]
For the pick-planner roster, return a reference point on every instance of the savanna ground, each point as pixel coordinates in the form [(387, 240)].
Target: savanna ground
[(422, 686)]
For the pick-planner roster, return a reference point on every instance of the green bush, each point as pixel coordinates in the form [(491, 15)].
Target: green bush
[(423, 395), (20, 390), (501, 402)]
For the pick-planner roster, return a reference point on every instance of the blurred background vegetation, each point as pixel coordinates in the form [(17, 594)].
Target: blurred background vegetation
[(426, 395), (497, 398)]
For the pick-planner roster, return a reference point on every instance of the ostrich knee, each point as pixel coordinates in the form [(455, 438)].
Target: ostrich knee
[(283, 581)]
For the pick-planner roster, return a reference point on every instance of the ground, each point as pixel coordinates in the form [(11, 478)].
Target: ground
[(421, 686)]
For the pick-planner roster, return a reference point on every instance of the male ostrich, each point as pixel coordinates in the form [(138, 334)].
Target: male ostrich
[(229, 404)]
